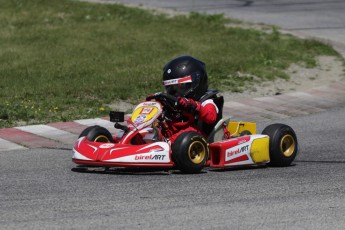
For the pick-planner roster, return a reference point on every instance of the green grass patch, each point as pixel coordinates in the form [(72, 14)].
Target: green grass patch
[(62, 60)]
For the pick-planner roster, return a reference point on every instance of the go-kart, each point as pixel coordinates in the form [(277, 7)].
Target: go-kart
[(140, 142)]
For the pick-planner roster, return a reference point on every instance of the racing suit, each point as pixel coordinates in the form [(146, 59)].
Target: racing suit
[(193, 112)]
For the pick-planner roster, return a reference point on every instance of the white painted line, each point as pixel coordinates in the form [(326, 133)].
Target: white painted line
[(233, 104), (314, 98), (97, 121), (7, 145), (50, 133)]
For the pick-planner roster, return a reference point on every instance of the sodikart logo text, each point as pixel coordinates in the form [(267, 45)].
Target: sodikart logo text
[(238, 151), (150, 157)]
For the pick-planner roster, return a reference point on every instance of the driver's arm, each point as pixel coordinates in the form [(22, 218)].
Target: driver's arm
[(208, 112)]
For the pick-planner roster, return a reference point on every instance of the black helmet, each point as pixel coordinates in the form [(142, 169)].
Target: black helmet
[(185, 76)]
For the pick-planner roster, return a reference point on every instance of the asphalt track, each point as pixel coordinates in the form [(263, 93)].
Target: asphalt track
[(42, 189)]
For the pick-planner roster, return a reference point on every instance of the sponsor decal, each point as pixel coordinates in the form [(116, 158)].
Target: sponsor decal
[(150, 104), (242, 141), (139, 119), (146, 110), (237, 151), (150, 157), (106, 146), (183, 80), (171, 82), (238, 155)]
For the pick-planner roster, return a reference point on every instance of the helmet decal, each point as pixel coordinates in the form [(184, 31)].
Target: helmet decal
[(183, 80)]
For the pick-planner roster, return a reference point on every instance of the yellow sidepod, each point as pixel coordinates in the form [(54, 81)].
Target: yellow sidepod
[(260, 150), (236, 128)]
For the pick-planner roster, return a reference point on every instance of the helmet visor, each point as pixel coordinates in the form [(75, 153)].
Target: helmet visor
[(179, 89)]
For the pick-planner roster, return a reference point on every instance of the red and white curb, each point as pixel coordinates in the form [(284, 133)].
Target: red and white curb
[(7, 145), (54, 135), (64, 134)]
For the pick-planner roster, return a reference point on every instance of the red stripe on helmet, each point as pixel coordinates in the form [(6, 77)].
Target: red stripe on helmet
[(176, 81), (185, 80)]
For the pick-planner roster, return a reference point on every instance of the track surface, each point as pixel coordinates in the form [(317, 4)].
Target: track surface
[(41, 189)]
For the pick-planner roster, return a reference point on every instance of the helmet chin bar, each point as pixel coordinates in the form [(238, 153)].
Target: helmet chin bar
[(192, 92), (189, 93)]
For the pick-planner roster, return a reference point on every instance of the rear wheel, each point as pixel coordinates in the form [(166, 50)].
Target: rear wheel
[(245, 133), (283, 144), (99, 134), (190, 152)]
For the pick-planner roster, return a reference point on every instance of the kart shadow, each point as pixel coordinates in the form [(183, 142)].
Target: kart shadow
[(162, 172), (120, 171), (239, 168), (132, 171), (129, 171), (177, 172), (244, 168), (321, 161)]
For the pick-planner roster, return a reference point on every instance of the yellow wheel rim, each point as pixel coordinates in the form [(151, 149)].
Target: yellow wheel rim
[(101, 138), (197, 152), (287, 145)]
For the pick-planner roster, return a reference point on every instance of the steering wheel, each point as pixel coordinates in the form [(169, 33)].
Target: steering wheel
[(168, 101)]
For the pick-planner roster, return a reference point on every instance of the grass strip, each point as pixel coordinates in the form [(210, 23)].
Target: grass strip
[(62, 60)]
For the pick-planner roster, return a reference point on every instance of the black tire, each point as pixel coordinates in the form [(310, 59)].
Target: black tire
[(190, 152), (283, 145), (245, 133), (86, 131), (100, 134)]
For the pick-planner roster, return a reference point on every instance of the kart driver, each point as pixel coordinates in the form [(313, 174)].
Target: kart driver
[(186, 78)]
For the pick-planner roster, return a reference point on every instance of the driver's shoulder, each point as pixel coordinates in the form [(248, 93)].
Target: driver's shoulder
[(212, 97)]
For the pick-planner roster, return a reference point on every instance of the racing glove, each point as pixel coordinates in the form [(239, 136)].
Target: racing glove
[(188, 105)]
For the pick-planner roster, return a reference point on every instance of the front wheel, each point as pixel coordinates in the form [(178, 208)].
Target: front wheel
[(190, 152), (87, 130), (99, 134), (283, 145)]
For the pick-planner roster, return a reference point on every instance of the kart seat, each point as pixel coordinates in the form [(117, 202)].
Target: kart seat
[(217, 133)]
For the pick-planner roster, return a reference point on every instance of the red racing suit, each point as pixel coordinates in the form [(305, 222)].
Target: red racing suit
[(192, 111)]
